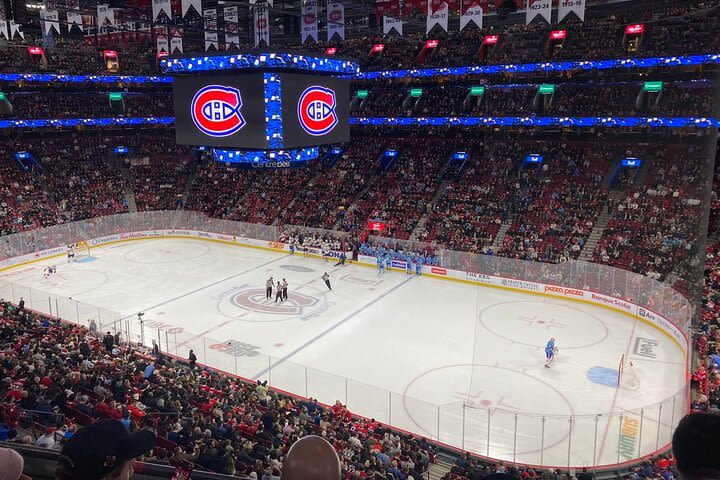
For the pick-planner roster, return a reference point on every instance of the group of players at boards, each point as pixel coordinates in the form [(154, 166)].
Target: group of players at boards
[(385, 263)]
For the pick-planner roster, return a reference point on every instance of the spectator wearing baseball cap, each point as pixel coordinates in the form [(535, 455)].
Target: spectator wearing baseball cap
[(104, 450), (11, 465)]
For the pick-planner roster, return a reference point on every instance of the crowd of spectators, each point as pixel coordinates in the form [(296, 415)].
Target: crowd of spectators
[(674, 29), (655, 226), (39, 104), (58, 378), (676, 99)]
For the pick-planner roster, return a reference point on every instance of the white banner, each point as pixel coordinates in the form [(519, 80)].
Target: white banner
[(567, 6), (232, 39), (335, 20), (473, 14), (15, 28), (538, 7), (4, 29), (176, 45), (439, 17), (261, 25), (50, 20), (162, 44), (390, 23), (211, 34), (308, 21), (73, 14), (159, 6), (196, 4), (106, 15)]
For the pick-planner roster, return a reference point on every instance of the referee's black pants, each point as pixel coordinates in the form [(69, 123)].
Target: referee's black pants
[(268, 293)]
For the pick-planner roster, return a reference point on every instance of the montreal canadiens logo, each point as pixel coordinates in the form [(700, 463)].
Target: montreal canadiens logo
[(215, 110), (316, 110), (336, 15)]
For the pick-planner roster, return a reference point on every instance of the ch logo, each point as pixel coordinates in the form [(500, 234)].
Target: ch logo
[(316, 110), (215, 110)]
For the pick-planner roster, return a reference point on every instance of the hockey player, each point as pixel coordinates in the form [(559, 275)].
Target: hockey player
[(70, 253), (550, 351), (48, 271), (408, 264), (380, 264), (284, 289), (341, 261), (418, 265), (388, 263)]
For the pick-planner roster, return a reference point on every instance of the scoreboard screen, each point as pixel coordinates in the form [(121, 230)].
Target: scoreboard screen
[(220, 110), (241, 110), (315, 109)]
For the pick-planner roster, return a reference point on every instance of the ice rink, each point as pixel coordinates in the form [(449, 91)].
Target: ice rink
[(447, 360)]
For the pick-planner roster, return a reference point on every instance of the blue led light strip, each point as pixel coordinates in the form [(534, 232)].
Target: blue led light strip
[(48, 77), (652, 122), (243, 61), (265, 156), (90, 122), (217, 63), (649, 62), (273, 110)]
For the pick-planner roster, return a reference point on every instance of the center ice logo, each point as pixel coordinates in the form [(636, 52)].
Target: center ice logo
[(254, 299), (215, 110), (316, 110)]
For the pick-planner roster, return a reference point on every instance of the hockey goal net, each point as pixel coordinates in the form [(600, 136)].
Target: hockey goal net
[(81, 249), (627, 378)]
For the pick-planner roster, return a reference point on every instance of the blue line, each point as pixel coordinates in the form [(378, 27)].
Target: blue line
[(205, 286), (319, 336)]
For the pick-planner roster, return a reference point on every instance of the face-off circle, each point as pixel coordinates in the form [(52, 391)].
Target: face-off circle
[(524, 321), (250, 304)]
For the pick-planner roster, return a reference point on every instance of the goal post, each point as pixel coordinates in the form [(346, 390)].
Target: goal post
[(82, 250), (627, 378)]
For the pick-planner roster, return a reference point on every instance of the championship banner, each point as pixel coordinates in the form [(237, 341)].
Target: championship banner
[(161, 6), (74, 18), (309, 24), (186, 4), (335, 20), (472, 14), (176, 45), (211, 33), (232, 39), (105, 15), (261, 25), (438, 17), (567, 6), (15, 28), (50, 20), (538, 7), (391, 23), (162, 44)]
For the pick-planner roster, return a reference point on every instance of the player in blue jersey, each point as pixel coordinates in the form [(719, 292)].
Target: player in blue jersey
[(418, 265), (388, 263), (550, 351), (408, 264), (380, 265)]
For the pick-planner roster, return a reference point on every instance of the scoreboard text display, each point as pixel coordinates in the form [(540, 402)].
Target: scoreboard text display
[(235, 110)]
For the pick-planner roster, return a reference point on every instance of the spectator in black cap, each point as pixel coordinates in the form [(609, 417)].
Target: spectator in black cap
[(105, 450), (694, 445)]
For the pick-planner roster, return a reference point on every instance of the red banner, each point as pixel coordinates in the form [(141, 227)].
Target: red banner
[(375, 226)]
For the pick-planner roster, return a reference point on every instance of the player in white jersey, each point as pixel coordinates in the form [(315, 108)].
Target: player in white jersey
[(48, 271), (71, 253)]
